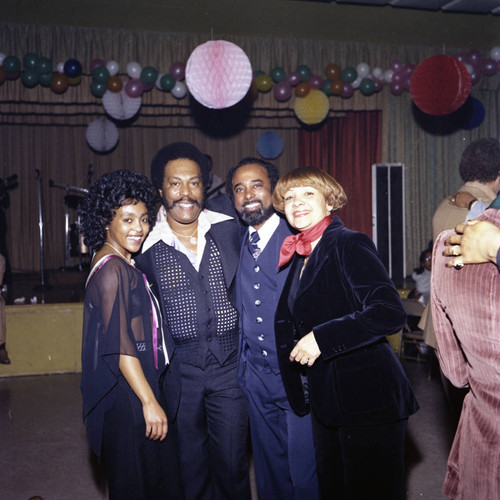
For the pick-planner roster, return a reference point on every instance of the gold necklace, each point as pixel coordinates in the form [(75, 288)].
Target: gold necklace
[(119, 253), (192, 239)]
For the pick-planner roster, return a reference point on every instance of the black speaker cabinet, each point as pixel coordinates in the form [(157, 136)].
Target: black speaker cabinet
[(388, 214)]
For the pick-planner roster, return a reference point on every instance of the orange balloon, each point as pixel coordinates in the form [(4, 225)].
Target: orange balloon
[(337, 87), (302, 89), (114, 84), (59, 83), (253, 92), (332, 71)]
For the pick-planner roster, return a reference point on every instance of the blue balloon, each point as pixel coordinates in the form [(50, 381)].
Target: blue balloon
[(72, 68), (475, 116), (270, 145)]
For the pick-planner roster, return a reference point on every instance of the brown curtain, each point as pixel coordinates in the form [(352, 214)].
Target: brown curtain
[(346, 147)]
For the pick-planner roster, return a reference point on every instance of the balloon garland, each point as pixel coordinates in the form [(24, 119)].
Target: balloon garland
[(335, 82)]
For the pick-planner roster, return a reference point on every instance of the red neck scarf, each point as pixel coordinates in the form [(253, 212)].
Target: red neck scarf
[(301, 243)]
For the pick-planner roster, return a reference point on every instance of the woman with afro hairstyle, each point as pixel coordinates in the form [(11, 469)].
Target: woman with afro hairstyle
[(128, 383)]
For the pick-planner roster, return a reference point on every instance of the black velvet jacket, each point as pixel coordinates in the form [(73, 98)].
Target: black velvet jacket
[(347, 299)]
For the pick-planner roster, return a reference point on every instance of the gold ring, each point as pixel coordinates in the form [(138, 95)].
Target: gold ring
[(459, 263), (455, 250)]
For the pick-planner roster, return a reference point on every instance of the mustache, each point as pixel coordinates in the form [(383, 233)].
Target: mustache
[(182, 200)]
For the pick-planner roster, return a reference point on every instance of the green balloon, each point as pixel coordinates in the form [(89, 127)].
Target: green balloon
[(29, 78), (30, 60), (149, 74), (11, 64), (45, 78), (277, 74), (100, 75), (43, 65), (98, 89), (326, 87), (367, 86), (348, 75), (304, 72), (167, 82)]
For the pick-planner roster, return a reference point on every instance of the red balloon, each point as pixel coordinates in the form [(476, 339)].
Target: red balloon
[(302, 89), (59, 83), (439, 85)]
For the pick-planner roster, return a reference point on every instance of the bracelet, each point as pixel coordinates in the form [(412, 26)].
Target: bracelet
[(472, 203)]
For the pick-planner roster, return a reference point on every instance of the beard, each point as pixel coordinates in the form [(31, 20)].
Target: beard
[(258, 216)]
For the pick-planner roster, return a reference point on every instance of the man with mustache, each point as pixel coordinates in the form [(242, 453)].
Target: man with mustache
[(190, 258), (282, 441)]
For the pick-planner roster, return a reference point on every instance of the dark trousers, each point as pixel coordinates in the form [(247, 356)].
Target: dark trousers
[(282, 441), (213, 426), (361, 462)]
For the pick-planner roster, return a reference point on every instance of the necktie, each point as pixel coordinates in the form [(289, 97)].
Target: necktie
[(252, 245)]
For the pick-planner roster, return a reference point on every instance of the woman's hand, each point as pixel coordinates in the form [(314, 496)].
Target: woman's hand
[(156, 421), (306, 351)]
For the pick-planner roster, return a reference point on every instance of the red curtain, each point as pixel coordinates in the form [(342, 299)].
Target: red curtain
[(346, 147)]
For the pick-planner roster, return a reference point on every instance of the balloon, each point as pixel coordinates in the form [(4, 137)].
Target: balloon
[(277, 74), (313, 108), (13, 76), (396, 88), (134, 87), (120, 106), (29, 78), (43, 65), (270, 144), (45, 78), (218, 74), (2, 57), (488, 67), (388, 74), (347, 92), (134, 69), (332, 71), (315, 82), (100, 75), (60, 67), (337, 87), (475, 77), (167, 82), (114, 84), (474, 58), (302, 89), (378, 84), (325, 88), (440, 85), (148, 86), (304, 72), (30, 60), (98, 89), (11, 65), (363, 69), (398, 77), (356, 83), (113, 67), (264, 83), (102, 135), (348, 75), (293, 78), (75, 81), (475, 114), (378, 73), (3, 75), (59, 83), (179, 91), (396, 65), (96, 63), (282, 91), (495, 53), (367, 87), (253, 92), (258, 72), (178, 70), (408, 69), (149, 75), (72, 68)]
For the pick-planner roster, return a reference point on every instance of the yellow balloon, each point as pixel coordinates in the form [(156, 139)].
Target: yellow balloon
[(264, 83), (313, 108), (75, 81)]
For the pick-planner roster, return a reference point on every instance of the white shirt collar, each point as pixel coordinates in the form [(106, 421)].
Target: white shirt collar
[(266, 231)]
